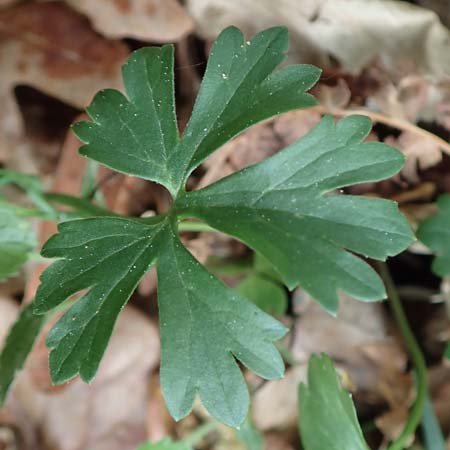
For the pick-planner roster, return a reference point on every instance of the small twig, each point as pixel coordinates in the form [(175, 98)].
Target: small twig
[(387, 120)]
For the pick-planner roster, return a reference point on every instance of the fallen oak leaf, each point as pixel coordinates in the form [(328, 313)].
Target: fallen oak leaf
[(67, 60), (145, 20)]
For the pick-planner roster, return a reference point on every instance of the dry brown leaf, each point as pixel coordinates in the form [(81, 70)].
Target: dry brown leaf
[(275, 405), (147, 285), (439, 388), (111, 412), (258, 143), (412, 98), (252, 146), (421, 153), (9, 310), (391, 425), (279, 441), (333, 97), (159, 420), (214, 244), (441, 7), (294, 125), (146, 20), (14, 421), (7, 3), (402, 36), (359, 339), (52, 48)]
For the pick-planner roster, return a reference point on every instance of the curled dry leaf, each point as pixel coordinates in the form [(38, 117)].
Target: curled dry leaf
[(439, 388), (111, 412), (251, 147), (280, 441), (391, 425), (147, 20), (14, 421), (411, 98), (441, 7), (67, 60), (7, 3), (358, 338), (8, 314), (292, 126), (420, 151), (334, 97), (355, 32), (275, 404)]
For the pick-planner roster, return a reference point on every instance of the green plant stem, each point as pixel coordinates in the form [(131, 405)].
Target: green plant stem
[(24, 211), (413, 348), (194, 227), (287, 354), (431, 430), (85, 207), (199, 433)]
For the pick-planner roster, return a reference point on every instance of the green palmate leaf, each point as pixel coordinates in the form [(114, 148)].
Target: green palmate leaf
[(18, 345), (238, 90), (203, 325), (435, 233), (265, 293), (142, 128), (108, 255), (327, 415), (203, 322), (282, 209), (264, 268), (17, 241)]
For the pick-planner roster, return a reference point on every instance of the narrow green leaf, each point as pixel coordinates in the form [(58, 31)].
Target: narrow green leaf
[(165, 444), (203, 325), (327, 416), (17, 346), (432, 433), (264, 293), (282, 208), (17, 241), (110, 256), (24, 181), (435, 233), (136, 135)]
